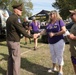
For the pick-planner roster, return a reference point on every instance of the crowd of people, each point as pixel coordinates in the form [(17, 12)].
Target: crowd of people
[(54, 30)]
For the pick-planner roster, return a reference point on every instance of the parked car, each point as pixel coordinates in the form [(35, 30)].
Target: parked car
[(4, 14)]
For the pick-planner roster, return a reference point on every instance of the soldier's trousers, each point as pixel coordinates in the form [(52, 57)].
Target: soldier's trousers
[(13, 67)]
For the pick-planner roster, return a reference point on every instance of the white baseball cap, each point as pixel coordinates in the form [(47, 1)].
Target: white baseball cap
[(33, 18)]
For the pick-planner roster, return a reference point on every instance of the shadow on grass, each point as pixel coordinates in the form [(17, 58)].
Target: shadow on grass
[(35, 68), (2, 38), (29, 66), (5, 56), (26, 47), (2, 71), (3, 44)]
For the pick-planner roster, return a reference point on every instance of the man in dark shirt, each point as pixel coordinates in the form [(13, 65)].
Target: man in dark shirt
[(26, 26), (25, 23), (14, 30)]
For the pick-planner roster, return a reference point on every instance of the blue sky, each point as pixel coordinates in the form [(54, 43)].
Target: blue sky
[(39, 5)]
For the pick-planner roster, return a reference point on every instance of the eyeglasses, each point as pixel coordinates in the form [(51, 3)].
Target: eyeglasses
[(72, 14)]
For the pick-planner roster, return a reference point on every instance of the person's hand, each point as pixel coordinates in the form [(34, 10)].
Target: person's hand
[(43, 32), (51, 34), (71, 36)]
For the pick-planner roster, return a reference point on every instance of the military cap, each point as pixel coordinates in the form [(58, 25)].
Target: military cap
[(72, 11), (17, 6)]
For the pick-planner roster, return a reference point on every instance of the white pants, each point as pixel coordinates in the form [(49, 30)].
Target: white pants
[(57, 50)]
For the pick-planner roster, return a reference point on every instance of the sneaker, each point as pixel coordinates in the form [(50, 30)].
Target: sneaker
[(35, 48), (60, 73), (51, 70)]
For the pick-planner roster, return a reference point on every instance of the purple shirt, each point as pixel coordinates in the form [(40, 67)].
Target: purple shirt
[(56, 27), (35, 26)]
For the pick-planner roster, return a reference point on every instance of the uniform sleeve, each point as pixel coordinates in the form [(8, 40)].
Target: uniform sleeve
[(23, 24), (20, 28)]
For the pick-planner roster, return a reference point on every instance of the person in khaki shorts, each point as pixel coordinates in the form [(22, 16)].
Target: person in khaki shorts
[(72, 39), (14, 30)]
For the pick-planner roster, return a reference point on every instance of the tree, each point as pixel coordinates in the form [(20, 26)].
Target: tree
[(27, 5), (64, 6)]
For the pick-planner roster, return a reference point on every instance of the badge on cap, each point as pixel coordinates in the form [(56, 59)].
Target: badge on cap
[(19, 20)]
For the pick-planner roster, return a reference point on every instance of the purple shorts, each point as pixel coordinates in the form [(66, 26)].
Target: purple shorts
[(73, 59)]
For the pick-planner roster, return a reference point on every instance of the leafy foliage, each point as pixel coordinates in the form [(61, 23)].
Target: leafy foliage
[(64, 6), (27, 5)]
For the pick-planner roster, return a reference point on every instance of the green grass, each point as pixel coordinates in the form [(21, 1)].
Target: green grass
[(35, 62)]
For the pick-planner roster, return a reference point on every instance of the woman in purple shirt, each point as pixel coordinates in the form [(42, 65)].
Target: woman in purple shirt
[(34, 26), (55, 30)]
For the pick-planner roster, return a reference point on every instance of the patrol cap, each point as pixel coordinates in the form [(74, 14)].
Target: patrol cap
[(72, 11), (17, 6)]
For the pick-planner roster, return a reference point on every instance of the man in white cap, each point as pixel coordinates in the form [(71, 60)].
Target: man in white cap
[(72, 39)]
